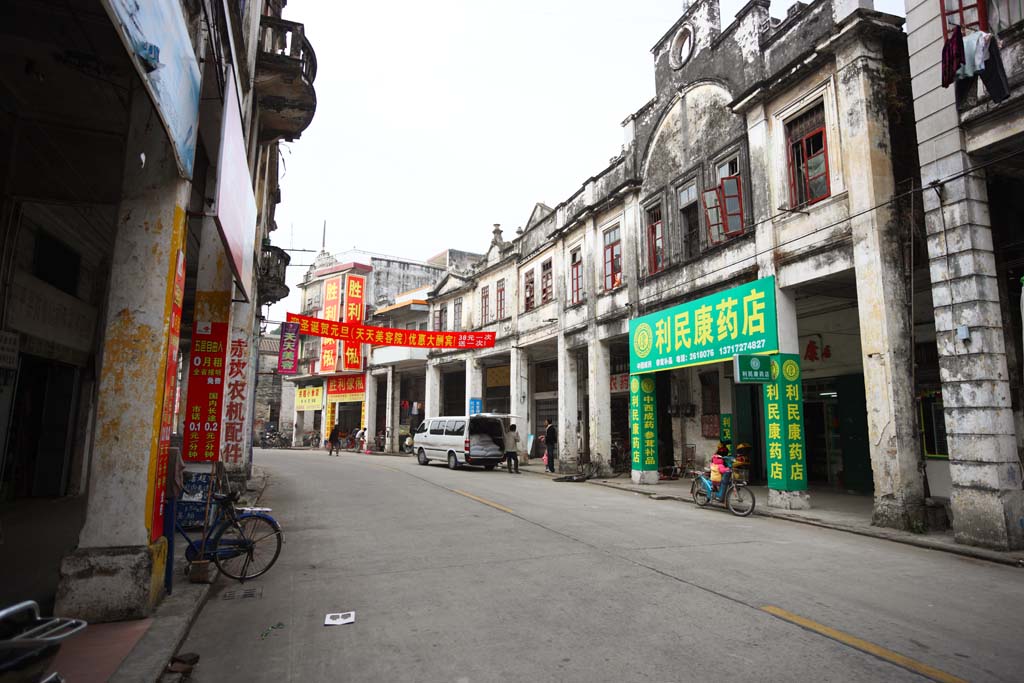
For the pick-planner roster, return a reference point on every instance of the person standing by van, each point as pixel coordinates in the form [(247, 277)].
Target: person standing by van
[(512, 449)]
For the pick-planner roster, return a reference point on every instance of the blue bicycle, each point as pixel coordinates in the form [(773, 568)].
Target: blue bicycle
[(243, 542), (736, 496)]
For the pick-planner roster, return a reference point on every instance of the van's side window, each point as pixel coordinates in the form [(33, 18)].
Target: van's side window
[(437, 426), (456, 427), (422, 427)]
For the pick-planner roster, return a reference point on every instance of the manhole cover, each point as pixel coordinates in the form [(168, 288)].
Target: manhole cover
[(250, 593)]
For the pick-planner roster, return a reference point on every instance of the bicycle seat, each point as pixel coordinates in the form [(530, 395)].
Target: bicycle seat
[(226, 497)]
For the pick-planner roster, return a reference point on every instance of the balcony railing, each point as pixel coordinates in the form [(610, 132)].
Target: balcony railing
[(271, 282), (285, 71)]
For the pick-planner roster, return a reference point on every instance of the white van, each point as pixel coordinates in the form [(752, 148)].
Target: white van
[(449, 440)]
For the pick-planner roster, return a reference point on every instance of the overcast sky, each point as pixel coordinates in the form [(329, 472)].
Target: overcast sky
[(435, 120)]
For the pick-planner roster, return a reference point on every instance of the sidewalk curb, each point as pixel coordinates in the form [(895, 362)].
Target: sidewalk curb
[(905, 538)]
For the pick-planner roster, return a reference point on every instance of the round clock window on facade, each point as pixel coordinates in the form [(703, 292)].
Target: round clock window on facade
[(682, 47)]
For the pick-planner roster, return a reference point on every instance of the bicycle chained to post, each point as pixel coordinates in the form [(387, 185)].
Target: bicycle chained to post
[(725, 481)]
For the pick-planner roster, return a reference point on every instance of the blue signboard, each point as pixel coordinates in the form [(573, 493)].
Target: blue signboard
[(158, 42), (476, 405)]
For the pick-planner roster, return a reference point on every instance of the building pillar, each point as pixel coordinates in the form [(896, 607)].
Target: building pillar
[(432, 400), (370, 398), (599, 389), (519, 393), (882, 297), (391, 410), (117, 571), (298, 420), (474, 383), (240, 389), (568, 407)]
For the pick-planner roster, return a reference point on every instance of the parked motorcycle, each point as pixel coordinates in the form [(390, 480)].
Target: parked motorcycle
[(271, 438), (29, 643)]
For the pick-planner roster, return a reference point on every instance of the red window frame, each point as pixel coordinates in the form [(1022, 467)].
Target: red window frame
[(546, 290), (612, 260), (499, 299), (804, 146), (958, 15), (529, 293), (485, 304), (730, 193), (576, 278), (655, 241)]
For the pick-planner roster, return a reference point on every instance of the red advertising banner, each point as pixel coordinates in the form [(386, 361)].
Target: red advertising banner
[(170, 393), (355, 291), (205, 392), (288, 350), (329, 347), (389, 336), (346, 384)]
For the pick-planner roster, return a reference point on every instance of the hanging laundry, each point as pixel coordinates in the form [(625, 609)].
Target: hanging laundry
[(952, 56), (970, 66), (994, 75), (981, 53)]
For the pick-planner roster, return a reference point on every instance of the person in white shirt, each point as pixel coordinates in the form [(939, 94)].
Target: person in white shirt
[(511, 449)]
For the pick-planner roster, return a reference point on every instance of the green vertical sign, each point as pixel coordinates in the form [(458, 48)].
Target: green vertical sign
[(725, 430), (643, 423), (784, 425)]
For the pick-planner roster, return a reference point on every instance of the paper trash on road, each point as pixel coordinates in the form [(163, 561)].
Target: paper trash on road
[(339, 618)]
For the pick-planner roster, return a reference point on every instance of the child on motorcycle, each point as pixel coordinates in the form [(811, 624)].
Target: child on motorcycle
[(720, 472)]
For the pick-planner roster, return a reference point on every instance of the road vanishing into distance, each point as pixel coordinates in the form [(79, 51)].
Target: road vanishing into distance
[(469, 576)]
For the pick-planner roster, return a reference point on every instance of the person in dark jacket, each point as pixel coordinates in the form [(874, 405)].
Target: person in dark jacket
[(335, 441), (551, 443)]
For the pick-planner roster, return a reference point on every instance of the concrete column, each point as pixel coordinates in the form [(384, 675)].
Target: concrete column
[(239, 389), (390, 408), (631, 248), (519, 392), (474, 381), (882, 296), (117, 572), (298, 421), (370, 396), (568, 406), (432, 401), (598, 388)]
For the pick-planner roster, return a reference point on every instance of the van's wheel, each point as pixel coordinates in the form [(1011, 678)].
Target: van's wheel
[(421, 457), (453, 464)]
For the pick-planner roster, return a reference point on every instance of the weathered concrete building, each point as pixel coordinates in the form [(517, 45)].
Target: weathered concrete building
[(763, 170), (128, 261), (971, 139)]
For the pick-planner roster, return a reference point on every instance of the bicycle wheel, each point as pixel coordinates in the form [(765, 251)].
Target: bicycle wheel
[(699, 492), (740, 500), (248, 548)]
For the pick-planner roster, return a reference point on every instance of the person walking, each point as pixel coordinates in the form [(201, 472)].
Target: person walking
[(361, 440), (551, 443), (512, 449), (334, 441)]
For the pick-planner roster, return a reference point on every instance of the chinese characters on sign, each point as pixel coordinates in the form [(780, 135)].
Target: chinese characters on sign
[(816, 350), (346, 388), (205, 392), (388, 336), (643, 423), (170, 393), (725, 430), (329, 347), (235, 415), (309, 398), (751, 369), (620, 383), (710, 329), (288, 349), (784, 425), (355, 286)]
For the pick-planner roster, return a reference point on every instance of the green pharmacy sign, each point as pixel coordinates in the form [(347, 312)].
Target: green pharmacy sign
[(741, 320), (784, 425), (643, 423), (751, 369)]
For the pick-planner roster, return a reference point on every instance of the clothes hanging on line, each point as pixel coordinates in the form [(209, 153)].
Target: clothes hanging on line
[(994, 75), (952, 56), (965, 58)]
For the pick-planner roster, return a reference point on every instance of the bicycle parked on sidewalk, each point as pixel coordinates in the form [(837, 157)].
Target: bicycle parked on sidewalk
[(243, 542), (737, 497)]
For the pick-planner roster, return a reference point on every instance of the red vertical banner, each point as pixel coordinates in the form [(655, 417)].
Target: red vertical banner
[(355, 297), (329, 347), (170, 395), (205, 392), (288, 349)]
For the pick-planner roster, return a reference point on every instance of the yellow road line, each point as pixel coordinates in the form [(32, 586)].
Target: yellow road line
[(482, 500), (864, 646)]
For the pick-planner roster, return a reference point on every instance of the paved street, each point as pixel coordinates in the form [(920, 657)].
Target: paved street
[(485, 576)]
